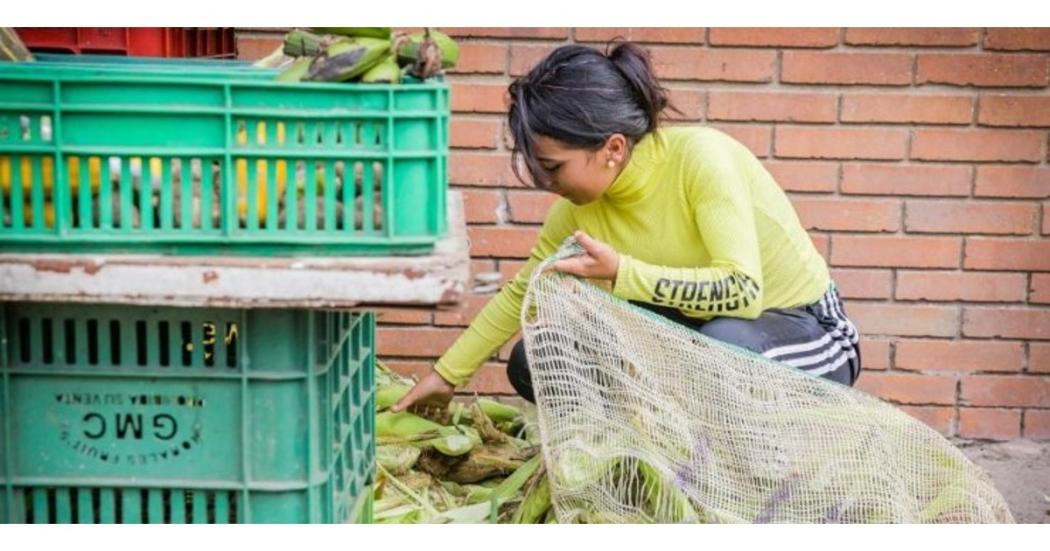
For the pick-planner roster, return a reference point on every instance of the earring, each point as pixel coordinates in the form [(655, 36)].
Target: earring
[(611, 163)]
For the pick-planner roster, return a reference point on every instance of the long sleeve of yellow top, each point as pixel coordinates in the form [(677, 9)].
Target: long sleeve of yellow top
[(700, 226)]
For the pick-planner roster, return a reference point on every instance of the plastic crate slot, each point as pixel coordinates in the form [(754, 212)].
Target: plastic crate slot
[(46, 335), (45, 128), (24, 126), (187, 343), (230, 344), (140, 342), (208, 340), (70, 334), (92, 342), (114, 342), (162, 327)]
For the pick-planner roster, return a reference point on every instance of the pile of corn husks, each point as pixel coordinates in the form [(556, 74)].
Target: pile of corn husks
[(484, 465)]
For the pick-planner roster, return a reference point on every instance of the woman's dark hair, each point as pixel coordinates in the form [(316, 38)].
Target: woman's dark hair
[(580, 96)]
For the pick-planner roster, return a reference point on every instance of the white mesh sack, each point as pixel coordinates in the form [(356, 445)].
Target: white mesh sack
[(644, 420)]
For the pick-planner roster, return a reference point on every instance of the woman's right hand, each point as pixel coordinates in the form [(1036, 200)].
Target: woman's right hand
[(429, 397)]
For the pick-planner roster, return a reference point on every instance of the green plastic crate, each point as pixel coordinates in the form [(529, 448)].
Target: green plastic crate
[(215, 157), (179, 415)]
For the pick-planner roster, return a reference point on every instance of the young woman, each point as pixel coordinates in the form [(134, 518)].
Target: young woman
[(684, 221)]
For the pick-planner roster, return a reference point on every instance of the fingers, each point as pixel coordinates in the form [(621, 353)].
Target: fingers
[(574, 266), (407, 400), (588, 243)]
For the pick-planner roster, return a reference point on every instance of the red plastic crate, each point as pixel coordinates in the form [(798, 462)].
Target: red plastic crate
[(132, 41)]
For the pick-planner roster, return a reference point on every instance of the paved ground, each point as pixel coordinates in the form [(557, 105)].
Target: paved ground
[(1020, 470)]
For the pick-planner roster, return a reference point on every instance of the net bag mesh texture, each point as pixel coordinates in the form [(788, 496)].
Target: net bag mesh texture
[(643, 420)]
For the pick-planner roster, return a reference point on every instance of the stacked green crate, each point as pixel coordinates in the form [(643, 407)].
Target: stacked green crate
[(215, 157), (209, 415)]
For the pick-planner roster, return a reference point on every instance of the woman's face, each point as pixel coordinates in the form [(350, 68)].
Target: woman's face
[(579, 175)]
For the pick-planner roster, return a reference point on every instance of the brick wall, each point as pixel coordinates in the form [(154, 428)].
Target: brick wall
[(916, 158)]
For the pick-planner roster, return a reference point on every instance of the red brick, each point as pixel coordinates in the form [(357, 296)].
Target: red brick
[(939, 419), (989, 424), (524, 57), (1046, 218), (510, 268), (1006, 390), (480, 169), (771, 106), (796, 37), (907, 108), (404, 316), (968, 356), (530, 206), (846, 68), (505, 350), (804, 175), (983, 69), (875, 352), (481, 206), (870, 215), (933, 144), (854, 283), (1038, 357), (1013, 38), (491, 378), (1013, 181), (907, 388), (651, 35), (254, 48), (872, 36), (464, 313), (475, 134), (1010, 323), (691, 103), (480, 266), (895, 252), (822, 243), (1003, 110), (1007, 254), (413, 369), (756, 138), (501, 241), (884, 179), (414, 342), (687, 63), (905, 319), (840, 143), (1037, 424), (507, 32), (991, 217), (1040, 289), (961, 286), (478, 98), (475, 58)]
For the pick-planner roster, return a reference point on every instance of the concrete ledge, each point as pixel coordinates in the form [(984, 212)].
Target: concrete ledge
[(286, 282)]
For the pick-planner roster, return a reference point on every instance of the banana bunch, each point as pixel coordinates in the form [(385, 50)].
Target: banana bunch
[(365, 54)]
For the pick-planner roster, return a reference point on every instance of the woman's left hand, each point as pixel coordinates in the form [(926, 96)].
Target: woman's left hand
[(599, 260)]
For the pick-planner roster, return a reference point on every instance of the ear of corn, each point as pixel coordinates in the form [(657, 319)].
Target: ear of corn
[(390, 394), (299, 43), (370, 32), (347, 59), (537, 501), (409, 51)]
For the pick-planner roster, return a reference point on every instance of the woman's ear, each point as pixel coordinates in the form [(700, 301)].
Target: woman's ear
[(615, 148)]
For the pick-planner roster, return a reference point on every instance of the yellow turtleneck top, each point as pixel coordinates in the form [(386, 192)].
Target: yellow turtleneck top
[(700, 226)]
